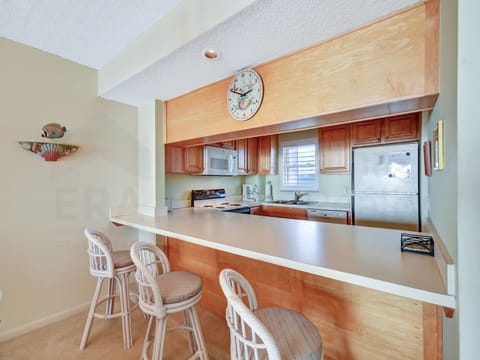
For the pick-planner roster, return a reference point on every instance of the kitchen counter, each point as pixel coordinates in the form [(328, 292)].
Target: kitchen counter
[(364, 256)]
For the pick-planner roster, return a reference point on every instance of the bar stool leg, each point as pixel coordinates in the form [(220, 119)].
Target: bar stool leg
[(148, 339), (125, 308), (93, 305), (190, 334), (111, 300), (160, 327), (197, 332)]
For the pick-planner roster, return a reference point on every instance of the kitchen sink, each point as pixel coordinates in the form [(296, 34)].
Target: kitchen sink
[(293, 202)]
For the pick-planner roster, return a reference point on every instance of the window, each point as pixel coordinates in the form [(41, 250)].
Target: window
[(299, 167)]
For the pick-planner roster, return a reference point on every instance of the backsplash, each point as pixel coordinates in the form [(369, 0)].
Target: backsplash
[(178, 187), (332, 187)]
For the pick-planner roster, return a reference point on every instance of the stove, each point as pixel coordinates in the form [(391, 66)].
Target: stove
[(216, 199)]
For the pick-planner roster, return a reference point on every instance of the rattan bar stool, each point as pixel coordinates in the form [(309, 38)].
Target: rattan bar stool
[(161, 293), (116, 267), (268, 333)]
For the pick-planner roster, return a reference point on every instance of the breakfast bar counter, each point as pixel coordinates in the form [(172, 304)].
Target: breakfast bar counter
[(365, 256), (356, 274)]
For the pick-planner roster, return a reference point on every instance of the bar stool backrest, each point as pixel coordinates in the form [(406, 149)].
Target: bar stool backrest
[(100, 253), (150, 262), (249, 338)]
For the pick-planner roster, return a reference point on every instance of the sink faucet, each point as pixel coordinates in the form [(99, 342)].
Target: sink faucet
[(299, 195)]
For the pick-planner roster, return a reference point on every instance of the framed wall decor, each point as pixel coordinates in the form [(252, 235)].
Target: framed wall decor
[(438, 147), (427, 158)]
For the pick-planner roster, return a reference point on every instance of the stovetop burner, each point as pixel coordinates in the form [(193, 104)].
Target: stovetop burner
[(214, 199)]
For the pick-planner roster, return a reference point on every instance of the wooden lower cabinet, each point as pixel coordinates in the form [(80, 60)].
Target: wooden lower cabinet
[(280, 211), (354, 322)]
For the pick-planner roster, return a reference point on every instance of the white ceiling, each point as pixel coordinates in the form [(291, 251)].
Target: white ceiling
[(93, 33)]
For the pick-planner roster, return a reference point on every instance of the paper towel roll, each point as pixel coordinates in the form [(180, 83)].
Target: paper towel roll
[(268, 191)]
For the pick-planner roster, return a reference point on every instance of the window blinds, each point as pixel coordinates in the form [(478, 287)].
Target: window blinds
[(299, 164)]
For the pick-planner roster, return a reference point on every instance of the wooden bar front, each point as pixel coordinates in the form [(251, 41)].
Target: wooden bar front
[(354, 322)]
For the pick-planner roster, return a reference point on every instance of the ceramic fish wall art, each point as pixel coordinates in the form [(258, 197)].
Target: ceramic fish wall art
[(53, 131)]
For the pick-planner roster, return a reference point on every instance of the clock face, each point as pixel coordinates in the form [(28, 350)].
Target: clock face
[(245, 94)]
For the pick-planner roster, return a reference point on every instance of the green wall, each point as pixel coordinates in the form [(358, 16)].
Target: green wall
[(443, 183)]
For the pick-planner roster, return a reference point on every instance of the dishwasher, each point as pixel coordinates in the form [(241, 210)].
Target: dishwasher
[(330, 216)]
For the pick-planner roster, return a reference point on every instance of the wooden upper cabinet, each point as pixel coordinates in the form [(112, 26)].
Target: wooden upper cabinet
[(334, 142), (194, 159), (174, 160), (401, 128), (386, 130), (179, 160), (367, 132), (267, 155), (247, 156)]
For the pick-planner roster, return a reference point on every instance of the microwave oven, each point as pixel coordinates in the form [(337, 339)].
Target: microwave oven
[(219, 161)]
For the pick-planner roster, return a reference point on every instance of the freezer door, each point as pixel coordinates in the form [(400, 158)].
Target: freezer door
[(386, 211), (386, 169)]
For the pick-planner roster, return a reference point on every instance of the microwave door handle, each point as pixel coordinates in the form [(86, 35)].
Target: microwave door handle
[(230, 163)]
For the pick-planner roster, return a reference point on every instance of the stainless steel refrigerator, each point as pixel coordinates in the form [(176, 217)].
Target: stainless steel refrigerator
[(385, 186)]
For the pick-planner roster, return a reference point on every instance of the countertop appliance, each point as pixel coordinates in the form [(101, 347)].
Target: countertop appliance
[(249, 192), (219, 161), (329, 216), (385, 186), (216, 199)]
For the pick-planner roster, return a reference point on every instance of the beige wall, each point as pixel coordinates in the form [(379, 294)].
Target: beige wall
[(45, 205)]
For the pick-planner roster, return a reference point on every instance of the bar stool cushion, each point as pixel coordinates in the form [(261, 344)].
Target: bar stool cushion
[(295, 335), (121, 258), (178, 286)]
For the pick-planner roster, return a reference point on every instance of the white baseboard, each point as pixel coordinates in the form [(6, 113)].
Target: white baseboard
[(23, 329)]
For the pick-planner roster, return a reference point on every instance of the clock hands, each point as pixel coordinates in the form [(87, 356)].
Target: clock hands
[(242, 94), (236, 92)]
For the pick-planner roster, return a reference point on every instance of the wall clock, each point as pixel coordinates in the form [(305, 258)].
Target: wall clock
[(244, 94)]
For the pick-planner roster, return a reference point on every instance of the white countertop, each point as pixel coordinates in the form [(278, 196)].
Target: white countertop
[(364, 256)]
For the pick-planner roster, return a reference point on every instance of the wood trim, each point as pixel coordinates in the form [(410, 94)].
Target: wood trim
[(432, 46), (432, 332), (448, 312)]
